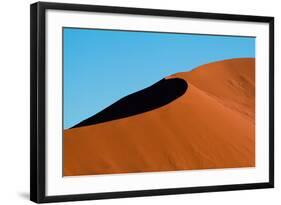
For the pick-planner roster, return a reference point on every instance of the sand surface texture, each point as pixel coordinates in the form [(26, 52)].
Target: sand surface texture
[(211, 125)]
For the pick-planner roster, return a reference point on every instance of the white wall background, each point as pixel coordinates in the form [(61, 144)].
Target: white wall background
[(14, 100)]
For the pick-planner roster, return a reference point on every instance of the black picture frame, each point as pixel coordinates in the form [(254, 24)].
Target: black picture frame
[(38, 111)]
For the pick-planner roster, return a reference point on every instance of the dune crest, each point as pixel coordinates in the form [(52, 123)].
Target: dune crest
[(212, 125)]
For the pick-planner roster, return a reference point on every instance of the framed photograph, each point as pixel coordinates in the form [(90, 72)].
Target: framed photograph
[(129, 102)]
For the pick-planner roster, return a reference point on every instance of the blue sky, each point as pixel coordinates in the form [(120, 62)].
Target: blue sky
[(102, 66)]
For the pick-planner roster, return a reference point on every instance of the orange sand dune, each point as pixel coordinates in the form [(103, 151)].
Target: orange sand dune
[(211, 126)]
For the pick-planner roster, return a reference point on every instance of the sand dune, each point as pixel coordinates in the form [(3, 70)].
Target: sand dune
[(212, 125)]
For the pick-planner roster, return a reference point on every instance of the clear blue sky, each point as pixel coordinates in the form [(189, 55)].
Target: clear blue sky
[(102, 66)]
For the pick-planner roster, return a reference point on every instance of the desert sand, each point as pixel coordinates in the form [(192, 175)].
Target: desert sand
[(212, 125)]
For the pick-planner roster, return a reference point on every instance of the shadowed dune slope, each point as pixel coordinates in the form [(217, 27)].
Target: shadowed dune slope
[(210, 126), (157, 95)]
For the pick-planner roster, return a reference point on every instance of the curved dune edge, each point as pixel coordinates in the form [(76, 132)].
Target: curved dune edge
[(211, 126)]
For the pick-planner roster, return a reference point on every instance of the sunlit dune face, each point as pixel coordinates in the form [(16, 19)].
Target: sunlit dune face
[(210, 125)]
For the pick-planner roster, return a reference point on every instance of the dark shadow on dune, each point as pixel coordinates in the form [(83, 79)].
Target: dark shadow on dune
[(155, 96)]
